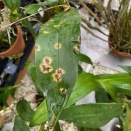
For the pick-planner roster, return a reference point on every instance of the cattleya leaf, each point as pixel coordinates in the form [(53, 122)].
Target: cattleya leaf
[(92, 115), (24, 110), (20, 125), (12, 4), (56, 42)]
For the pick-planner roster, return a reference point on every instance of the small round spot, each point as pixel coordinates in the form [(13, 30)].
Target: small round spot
[(47, 60), (60, 71), (46, 68), (63, 90), (77, 47), (56, 77), (57, 45), (37, 48)]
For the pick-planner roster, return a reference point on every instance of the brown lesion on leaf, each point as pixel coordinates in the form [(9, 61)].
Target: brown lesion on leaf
[(60, 71), (77, 47), (57, 76), (57, 46), (46, 68), (37, 48), (47, 60), (63, 90)]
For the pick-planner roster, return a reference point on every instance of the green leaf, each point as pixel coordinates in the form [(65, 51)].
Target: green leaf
[(56, 43), (101, 96), (33, 8), (84, 58), (91, 115), (32, 68), (24, 110), (5, 93), (85, 83), (20, 125), (40, 116), (126, 68), (115, 84), (12, 4)]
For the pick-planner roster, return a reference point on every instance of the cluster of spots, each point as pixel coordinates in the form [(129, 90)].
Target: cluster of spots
[(45, 66), (77, 47), (37, 48), (57, 76), (63, 90), (57, 45)]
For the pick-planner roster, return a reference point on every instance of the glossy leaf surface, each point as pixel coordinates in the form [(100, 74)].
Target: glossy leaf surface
[(56, 62), (91, 115)]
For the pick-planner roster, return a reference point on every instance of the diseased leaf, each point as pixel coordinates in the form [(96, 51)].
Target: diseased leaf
[(55, 43), (24, 110), (20, 125), (91, 115)]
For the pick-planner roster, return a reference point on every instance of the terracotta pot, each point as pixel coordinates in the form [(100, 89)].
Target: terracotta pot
[(17, 48), (117, 53)]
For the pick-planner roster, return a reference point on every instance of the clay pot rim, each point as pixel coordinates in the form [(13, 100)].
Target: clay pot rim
[(118, 53), (8, 53)]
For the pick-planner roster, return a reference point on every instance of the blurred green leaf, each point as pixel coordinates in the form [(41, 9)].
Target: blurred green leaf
[(5, 93), (126, 68), (40, 116), (127, 124), (12, 4), (20, 125), (91, 115), (33, 8), (24, 110)]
